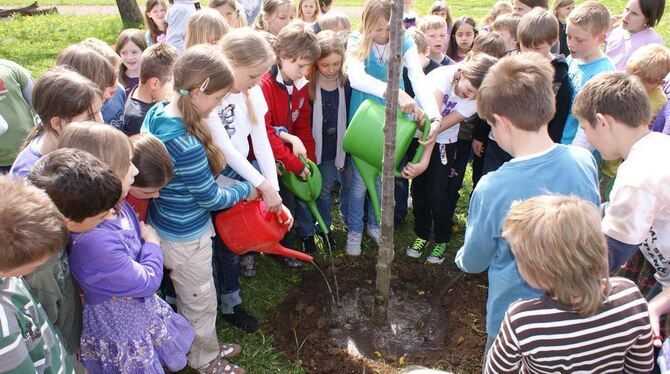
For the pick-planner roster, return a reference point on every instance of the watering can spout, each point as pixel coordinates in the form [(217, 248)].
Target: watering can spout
[(280, 250)]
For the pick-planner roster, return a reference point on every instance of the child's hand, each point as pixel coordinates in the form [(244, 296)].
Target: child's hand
[(289, 217), (432, 133), (298, 148), (304, 173), (273, 202), (477, 148), (253, 195), (149, 235), (411, 171), (406, 103)]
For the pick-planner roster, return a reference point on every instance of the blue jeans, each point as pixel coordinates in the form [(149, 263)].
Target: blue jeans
[(304, 221), (329, 175), (345, 188), (226, 269), (357, 196)]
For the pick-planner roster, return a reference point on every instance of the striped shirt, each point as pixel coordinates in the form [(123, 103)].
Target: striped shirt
[(543, 336), (182, 211), (28, 341)]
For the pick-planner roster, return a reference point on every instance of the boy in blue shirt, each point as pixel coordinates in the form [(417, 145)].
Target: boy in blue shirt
[(587, 27), (516, 98)]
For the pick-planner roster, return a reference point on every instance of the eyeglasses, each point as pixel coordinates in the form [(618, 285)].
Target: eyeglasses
[(227, 116)]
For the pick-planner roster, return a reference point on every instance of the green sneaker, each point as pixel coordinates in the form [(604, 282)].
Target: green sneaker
[(437, 255), (417, 247)]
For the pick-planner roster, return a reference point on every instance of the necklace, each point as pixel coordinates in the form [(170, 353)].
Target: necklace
[(380, 55)]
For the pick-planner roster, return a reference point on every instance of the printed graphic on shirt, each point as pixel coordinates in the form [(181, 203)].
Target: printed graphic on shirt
[(3, 90), (655, 255), (227, 117), (447, 105)]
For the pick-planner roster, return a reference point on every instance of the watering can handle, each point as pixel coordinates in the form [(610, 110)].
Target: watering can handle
[(424, 136), (283, 216)]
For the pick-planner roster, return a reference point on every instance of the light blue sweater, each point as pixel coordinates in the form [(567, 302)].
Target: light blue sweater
[(565, 170)]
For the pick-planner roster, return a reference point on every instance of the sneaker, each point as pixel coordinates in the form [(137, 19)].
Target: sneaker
[(248, 265), (374, 232), (241, 319), (437, 255), (354, 243), (307, 244), (417, 247)]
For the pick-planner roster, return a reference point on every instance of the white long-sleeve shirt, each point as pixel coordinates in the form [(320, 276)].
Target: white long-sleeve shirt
[(231, 127)]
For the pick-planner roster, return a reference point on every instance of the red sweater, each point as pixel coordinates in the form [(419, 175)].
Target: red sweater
[(290, 111)]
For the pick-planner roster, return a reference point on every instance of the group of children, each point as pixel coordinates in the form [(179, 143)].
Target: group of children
[(205, 112)]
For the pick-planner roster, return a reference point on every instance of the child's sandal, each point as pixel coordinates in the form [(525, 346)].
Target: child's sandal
[(229, 350), (221, 366)]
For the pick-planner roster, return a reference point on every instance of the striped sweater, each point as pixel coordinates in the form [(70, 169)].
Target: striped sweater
[(543, 336), (182, 211)]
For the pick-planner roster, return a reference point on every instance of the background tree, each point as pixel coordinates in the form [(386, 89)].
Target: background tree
[(130, 13)]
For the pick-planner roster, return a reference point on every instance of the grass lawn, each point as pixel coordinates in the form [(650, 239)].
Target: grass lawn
[(34, 42)]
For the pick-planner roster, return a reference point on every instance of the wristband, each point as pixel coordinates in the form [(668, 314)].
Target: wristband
[(280, 129)]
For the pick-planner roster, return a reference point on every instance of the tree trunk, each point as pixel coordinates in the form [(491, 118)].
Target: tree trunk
[(386, 252), (131, 16)]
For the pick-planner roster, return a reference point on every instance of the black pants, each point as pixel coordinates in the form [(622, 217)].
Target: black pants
[(435, 194), (494, 157)]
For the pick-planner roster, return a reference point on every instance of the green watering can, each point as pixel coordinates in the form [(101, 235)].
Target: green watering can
[(364, 140), (307, 190)]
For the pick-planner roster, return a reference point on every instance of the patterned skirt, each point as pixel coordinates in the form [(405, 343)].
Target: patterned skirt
[(131, 335)]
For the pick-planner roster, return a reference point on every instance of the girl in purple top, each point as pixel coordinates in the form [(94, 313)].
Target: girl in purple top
[(60, 96), (636, 30), (119, 266)]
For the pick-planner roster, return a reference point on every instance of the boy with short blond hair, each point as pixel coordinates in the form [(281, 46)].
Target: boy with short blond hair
[(436, 31), (586, 26), (651, 64), (155, 85), (33, 231), (585, 322), (516, 98), (289, 116), (507, 26)]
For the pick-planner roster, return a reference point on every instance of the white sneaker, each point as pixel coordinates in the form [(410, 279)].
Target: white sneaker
[(374, 233), (354, 243)]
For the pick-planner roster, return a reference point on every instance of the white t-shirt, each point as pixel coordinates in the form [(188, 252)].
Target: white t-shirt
[(442, 78), (639, 207), (231, 127)]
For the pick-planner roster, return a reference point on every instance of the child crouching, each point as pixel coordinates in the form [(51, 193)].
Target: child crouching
[(585, 321)]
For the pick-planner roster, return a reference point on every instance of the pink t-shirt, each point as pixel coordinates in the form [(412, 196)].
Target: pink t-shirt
[(620, 44)]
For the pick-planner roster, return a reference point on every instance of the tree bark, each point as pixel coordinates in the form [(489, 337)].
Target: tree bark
[(130, 13), (386, 251)]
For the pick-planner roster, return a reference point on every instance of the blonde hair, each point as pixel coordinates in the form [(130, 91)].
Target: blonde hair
[(247, 48), (441, 6), (498, 9), (490, 43), (317, 12), (651, 63), (270, 7), (329, 43), (616, 94), (374, 11), (475, 69), (206, 26), (558, 4), (104, 49), (433, 22), (126, 36), (201, 67), (509, 22), (240, 17), (536, 27), (332, 19), (557, 242), (591, 16), (108, 144), (89, 63), (519, 88)]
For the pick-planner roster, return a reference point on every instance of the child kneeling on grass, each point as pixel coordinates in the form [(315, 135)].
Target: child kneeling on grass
[(585, 321)]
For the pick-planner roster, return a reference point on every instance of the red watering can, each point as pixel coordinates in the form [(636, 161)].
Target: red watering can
[(248, 227)]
